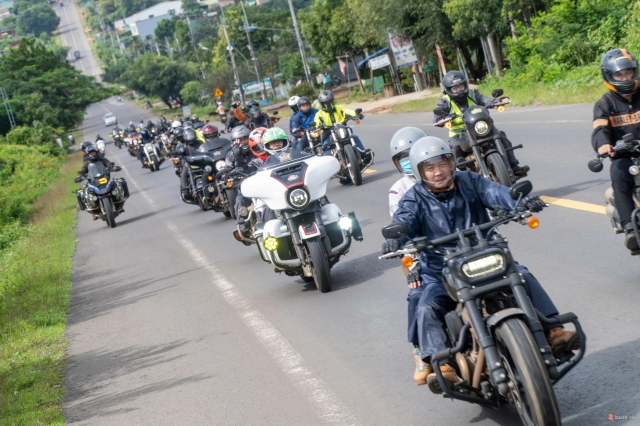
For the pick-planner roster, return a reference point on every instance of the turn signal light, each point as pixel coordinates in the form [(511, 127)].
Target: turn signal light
[(357, 121), (176, 161), (500, 109), (229, 184), (209, 178), (407, 261), (533, 222), (448, 125)]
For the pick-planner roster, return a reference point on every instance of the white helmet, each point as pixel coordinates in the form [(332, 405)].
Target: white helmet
[(293, 103), (176, 124), (430, 148), (100, 145)]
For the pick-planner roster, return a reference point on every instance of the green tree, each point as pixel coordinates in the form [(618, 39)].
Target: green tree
[(192, 93), (165, 29), (191, 7), (291, 66), (37, 19), (23, 5), (158, 76), (43, 86)]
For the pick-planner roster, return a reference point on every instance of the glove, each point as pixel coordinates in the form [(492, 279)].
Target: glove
[(440, 111), (534, 204), (236, 151), (414, 274), (360, 116), (390, 246)]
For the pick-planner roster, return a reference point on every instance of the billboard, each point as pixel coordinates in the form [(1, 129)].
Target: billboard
[(402, 51)]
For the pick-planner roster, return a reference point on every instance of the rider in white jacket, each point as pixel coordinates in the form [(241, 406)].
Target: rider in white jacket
[(401, 143)]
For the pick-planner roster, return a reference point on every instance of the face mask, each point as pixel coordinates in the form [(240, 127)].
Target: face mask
[(405, 165)]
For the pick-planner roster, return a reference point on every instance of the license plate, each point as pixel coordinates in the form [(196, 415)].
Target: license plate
[(103, 181)]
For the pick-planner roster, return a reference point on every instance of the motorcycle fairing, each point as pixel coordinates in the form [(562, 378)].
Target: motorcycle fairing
[(308, 231)]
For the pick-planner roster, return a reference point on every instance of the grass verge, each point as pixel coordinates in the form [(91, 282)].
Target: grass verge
[(36, 278), (540, 93), (417, 105)]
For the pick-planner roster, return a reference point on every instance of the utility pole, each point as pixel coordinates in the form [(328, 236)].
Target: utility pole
[(233, 61), (169, 49), (7, 106), (253, 54), (305, 65)]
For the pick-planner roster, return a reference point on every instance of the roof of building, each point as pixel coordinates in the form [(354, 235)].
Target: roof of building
[(156, 10)]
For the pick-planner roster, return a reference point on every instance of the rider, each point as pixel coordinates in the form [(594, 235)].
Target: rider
[(210, 131), (233, 121), (401, 143), (146, 138), (615, 115), (255, 143), (257, 118), (331, 114), (92, 156), (301, 121), (191, 145), (457, 98), (442, 202)]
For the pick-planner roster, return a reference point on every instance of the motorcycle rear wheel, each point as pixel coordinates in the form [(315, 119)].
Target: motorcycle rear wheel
[(532, 393), (498, 170), (353, 165), (108, 211), (320, 269)]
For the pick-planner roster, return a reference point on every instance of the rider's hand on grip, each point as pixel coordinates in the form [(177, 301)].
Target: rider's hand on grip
[(389, 246), (360, 116), (78, 179), (414, 279), (534, 204)]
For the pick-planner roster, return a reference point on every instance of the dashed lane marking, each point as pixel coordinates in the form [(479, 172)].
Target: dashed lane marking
[(577, 205), (369, 171)]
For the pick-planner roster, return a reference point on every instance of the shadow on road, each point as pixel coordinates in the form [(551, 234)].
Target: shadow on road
[(85, 395), (570, 189), (142, 216)]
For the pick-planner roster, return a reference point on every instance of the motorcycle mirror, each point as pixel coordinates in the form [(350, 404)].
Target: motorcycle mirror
[(520, 189), (275, 112), (628, 137), (117, 168), (497, 93), (358, 111), (395, 230), (595, 165), (78, 179)]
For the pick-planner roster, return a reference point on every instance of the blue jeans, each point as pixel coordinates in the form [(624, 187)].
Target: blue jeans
[(434, 303), (300, 143), (355, 138)]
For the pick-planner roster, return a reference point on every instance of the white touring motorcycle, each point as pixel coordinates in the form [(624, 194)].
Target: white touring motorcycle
[(309, 234)]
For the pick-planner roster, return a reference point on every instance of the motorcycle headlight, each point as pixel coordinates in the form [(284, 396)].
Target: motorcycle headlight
[(345, 223), (484, 266), (481, 128), (208, 169), (219, 165), (271, 243), (299, 198), (343, 133), (634, 170)]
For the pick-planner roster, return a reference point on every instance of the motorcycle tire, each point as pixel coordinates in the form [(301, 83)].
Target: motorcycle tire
[(155, 166), (108, 211), (227, 213), (532, 393), (353, 165), (231, 197), (497, 169), (306, 279), (320, 269)]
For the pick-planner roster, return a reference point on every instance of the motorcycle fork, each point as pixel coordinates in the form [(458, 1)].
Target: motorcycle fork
[(505, 158), (297, 241), (484, 170)]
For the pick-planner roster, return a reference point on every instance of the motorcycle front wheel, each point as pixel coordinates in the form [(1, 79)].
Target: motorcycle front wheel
[(231, 197), (155, 166), (531, 393), (320, 269), (353, 165), (108, 211), (498, 170)]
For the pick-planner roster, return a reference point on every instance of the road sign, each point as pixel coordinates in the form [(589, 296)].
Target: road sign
[(218, 92)]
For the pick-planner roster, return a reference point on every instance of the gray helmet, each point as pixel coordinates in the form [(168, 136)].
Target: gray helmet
[(187, 125), (326, 99), (239, 132), (429, 148), (401, 142), (454, 78)]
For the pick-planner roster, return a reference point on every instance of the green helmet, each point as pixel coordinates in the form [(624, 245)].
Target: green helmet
[(275, 134)]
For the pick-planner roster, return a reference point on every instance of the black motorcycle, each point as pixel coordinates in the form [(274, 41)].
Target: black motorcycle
[(203, 167), (102, 196), (631, 147), (228, 186), (499, 344), (343, 148), (488, 154)]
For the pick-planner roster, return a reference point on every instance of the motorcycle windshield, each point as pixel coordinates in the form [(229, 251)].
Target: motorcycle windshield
[(288, 157), (214, 145), (96, 170)]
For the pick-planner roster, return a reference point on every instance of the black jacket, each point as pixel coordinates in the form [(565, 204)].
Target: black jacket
[(613, 117), (232, 122), (85, 165), (260, 121)]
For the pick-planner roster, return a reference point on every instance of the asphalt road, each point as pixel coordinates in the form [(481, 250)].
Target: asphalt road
[(173, 322), (72, 34)]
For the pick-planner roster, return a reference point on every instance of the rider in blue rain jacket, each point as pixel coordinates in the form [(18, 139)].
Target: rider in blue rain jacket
[(442, 202), (301, 121)]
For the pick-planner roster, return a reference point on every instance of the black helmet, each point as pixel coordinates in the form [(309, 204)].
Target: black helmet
[(190, 136), (254, 111), (326, 99), (178, 132), (454, 78), (92, 149), (303, 100), (194, 118), (252, 103), (187, 124), (617, 60), (85, 145)]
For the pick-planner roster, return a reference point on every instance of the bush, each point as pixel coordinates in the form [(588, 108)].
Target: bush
[(303, 89)]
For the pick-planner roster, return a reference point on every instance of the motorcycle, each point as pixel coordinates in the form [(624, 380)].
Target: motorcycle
[(223, 117), (227, 186), (131, 140), (203, 167), (628, 145), (152, 157), (117, 138), (499, 344), (102, 196), (309, 234), (343, 148), (488, 155)]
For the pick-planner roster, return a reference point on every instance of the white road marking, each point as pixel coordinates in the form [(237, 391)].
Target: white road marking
[(326, 403)]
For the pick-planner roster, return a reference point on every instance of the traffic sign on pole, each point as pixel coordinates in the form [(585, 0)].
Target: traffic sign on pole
[(218, 92)]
